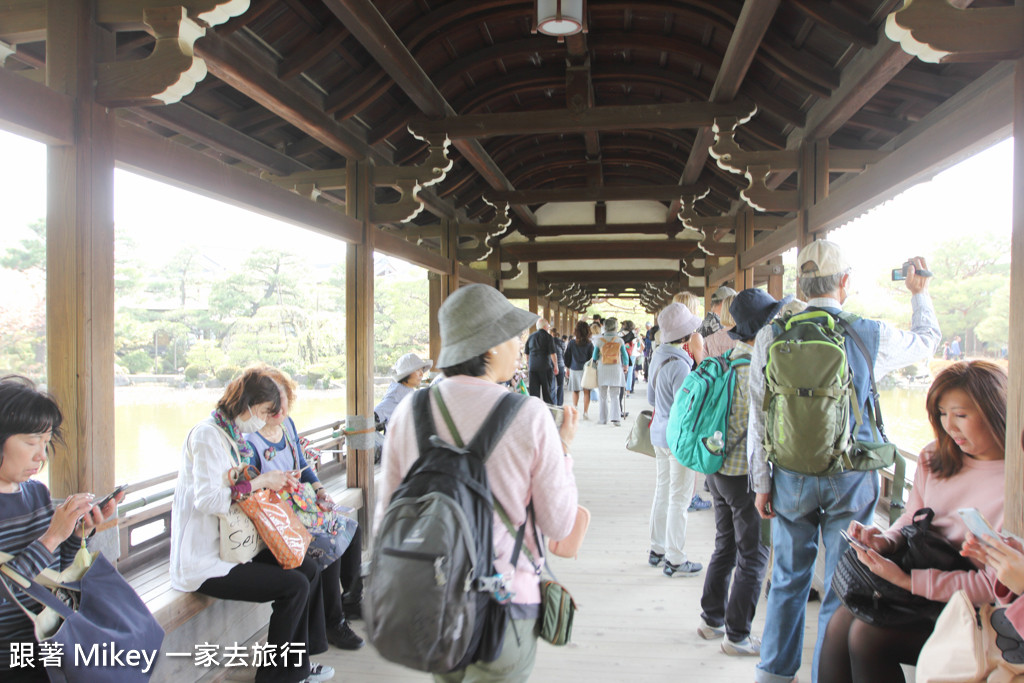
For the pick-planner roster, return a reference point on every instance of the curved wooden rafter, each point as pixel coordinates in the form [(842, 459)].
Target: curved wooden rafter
[(936, 31), (169, 73)]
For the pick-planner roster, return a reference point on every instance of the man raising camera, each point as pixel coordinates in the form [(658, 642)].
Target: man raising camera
[(802, 505)]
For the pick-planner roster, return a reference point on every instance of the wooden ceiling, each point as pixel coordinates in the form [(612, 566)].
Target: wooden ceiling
[(622, 112)]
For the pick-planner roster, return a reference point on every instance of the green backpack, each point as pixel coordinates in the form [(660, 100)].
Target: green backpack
[(701, 408), (808, 396)]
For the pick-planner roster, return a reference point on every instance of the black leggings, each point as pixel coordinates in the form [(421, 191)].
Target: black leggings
[(857, 652), (298, 609)]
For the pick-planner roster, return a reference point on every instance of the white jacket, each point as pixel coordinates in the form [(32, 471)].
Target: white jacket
[(201, 495)]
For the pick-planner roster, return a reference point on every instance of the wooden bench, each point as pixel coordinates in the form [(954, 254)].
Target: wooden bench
[(192, 618)]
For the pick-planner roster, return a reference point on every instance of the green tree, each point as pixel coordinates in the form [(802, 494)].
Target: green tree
[(31, 254), (400, 323)]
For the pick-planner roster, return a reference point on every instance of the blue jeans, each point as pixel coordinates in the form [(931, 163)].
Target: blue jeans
[(805, 505)]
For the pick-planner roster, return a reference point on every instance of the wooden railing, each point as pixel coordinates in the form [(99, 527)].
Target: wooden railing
[(144, 524)]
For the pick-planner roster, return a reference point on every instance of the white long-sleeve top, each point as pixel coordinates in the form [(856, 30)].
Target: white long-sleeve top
[(200, 496)]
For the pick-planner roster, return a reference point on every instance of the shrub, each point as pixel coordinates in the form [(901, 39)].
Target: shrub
[(192, 372), (226, 373), (137, 361)]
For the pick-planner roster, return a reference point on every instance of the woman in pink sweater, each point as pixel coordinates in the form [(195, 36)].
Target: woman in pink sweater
[(964, 467), (480, 349)]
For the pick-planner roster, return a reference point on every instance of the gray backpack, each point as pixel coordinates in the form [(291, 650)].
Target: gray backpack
[(433, 600)]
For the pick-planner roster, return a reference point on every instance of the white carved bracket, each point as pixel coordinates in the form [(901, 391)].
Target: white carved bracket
[(935, 31)]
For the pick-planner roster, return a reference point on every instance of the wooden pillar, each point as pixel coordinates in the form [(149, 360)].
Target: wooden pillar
[(80, 257), (531, 287), (744, 277), (359, 334), (1013, 519), (710, 263), (813, 186), (775, 281), (436, 298)]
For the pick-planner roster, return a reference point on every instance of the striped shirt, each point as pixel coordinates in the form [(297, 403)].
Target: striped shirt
[(24, 518), (736, 437)]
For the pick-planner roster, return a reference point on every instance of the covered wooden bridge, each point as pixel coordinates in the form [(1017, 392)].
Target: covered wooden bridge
[(666, 145)]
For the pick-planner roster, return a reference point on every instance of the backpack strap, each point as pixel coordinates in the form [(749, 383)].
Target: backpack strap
[(846, 321), (424, 420), (493, 428)]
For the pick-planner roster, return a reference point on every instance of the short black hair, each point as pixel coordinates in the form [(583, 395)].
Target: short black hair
[(24, 409), (474, 367)]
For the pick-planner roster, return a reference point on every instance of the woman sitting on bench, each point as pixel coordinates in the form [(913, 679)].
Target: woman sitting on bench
[(203, 495), (38, 532)]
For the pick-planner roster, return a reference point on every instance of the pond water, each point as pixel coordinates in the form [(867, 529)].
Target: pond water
[(151, 422)]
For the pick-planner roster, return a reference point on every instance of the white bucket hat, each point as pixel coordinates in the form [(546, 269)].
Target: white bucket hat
[(676, 322), (408, 364), (477, 318)]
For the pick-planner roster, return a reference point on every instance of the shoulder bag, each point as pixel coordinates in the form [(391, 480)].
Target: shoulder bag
[(239, 540), (971, 645), (557, 607), (589, 380), (874, 600), (639, 439), (106, 614)]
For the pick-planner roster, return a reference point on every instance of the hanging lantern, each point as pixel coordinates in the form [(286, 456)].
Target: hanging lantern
[(560, 17)]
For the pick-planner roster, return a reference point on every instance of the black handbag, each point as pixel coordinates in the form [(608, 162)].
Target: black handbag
[(874, 600)]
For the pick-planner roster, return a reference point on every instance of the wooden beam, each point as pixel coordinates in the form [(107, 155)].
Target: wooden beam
[(391, 244), (606, 276), (774, 244), (23, 21), (531, 288), (209, 131), (364, 21), (977, 117), (532, 252), (613, 118), (671, 228), (35, 111), (1013, 519), (751, 26), (80, 257), (230, 62), (473, 275), (596, 194)]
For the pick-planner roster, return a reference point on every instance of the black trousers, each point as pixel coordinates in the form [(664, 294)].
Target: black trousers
[(343, 573), (737, 546), (540, 384), (298, 608)]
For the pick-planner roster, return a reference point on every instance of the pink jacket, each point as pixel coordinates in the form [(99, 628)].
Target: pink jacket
[(979, 485), (527, 464)]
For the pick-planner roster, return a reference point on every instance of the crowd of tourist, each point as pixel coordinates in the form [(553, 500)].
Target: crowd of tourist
[(825, 487)]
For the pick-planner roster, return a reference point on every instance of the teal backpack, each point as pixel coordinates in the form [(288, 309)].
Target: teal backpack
[(808, 396), (700, 409)]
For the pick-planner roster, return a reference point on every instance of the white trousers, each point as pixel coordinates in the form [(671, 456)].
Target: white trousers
[(609, 397), (672, 492)]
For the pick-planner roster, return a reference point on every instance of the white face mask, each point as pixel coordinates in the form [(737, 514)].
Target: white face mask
[(253, 423)]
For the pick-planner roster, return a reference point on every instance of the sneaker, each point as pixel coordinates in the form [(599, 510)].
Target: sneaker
[(586, 417), (655, 559), (342, 636), (319, 672), (697, 504), (748, 647), (684, 569), (709, 632), (616, 423)]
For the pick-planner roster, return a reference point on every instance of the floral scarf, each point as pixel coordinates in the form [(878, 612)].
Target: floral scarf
[(245, 451)]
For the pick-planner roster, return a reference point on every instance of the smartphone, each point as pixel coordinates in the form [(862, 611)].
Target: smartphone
[(852, 541), (557, 414), (977, 524), (110, 496)]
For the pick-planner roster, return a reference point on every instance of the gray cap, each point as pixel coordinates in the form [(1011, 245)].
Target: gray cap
[(722, 293), (477, 318)]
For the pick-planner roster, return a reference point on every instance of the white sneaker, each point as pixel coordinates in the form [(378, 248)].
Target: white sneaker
[(748, 647), (319, 672), (709, 632)]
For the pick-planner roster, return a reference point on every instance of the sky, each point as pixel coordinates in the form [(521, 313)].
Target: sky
[(909, 225)]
